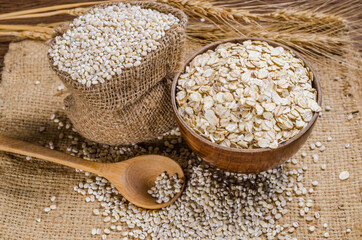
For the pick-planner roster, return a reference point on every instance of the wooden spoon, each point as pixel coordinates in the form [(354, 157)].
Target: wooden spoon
[(132, 178)]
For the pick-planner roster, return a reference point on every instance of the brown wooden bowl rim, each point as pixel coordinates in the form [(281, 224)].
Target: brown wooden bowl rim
[(315, 82)]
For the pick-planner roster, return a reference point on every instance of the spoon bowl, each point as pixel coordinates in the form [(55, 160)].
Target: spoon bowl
[(139, 175), (132, 178)]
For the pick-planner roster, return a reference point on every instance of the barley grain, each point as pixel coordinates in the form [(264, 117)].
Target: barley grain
[(107, 40)]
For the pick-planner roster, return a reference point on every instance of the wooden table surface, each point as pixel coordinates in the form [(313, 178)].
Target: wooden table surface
[(17, 5)]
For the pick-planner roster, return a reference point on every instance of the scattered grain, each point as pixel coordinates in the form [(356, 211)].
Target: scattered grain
[(344, 175), (295, 224), (315, 158), (215, 197), (309, 203), (294, 161), (301, 213), (60, 87), (53, 206), (96, 211)]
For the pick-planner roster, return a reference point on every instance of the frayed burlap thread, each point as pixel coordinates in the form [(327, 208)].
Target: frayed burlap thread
[(134, 82)]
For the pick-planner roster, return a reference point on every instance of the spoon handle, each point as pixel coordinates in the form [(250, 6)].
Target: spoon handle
[(13, 145)]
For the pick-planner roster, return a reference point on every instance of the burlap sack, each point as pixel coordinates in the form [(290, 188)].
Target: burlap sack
[(142, 120), (27, 186), (134, 82)]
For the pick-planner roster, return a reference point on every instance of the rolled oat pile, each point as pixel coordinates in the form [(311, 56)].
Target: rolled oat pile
[(249, 95)]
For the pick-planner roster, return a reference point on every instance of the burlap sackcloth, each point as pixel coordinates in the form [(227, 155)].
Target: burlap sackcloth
[(27, 186), (142, 120), (133, 106), (133, 83)]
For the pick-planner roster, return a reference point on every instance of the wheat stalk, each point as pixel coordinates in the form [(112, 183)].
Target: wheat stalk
[(6, 16), (307, 21), (26, 28), (72, 12), (26, 35), (314, 33), (197, 7), (220, 16), (206, 9), (305, 16), (313, 46)]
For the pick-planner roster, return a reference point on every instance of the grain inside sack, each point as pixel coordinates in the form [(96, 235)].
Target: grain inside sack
[(112, 59)]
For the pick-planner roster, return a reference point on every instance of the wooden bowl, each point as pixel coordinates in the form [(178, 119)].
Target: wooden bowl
[(243, 160)]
